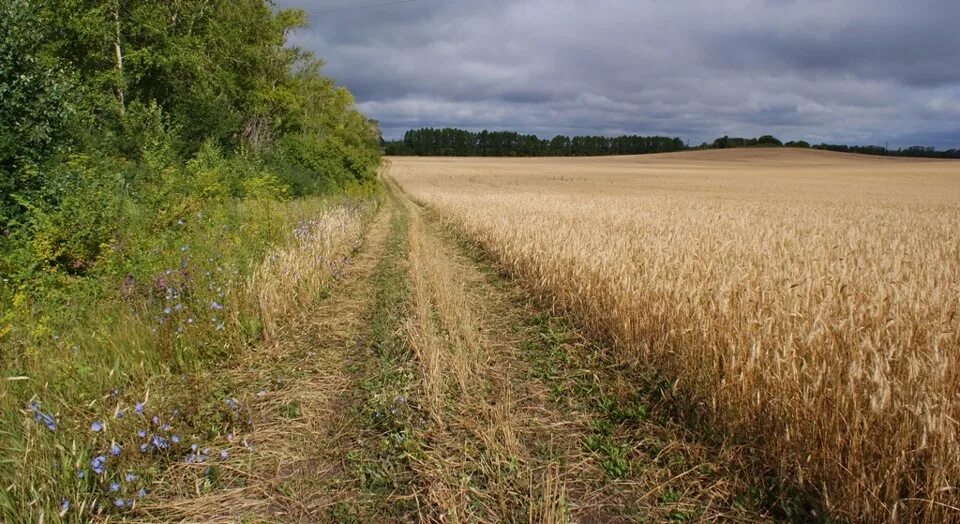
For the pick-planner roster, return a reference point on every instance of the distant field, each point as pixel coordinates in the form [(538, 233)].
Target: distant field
[(806, 302)]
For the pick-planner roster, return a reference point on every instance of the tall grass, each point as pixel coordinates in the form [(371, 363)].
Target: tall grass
[(813, 313), (90, 351)]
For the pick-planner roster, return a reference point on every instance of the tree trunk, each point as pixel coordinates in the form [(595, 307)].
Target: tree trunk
[(119, 56)]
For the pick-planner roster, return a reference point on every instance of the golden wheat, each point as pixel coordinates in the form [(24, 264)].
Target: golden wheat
[(807, 301)]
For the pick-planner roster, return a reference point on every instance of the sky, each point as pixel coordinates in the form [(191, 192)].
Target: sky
[(836, 71)]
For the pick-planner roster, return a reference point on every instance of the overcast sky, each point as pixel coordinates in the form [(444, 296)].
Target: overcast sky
[(851, 71)]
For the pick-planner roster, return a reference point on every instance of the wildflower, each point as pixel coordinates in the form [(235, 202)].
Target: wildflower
[(229, 437), (141, 493), (129, 477), (224, 454), (219, 326), (97, 464), (167, 310), (114, 487), (138, 408), (143, 448), (165, 427), (141, 433), (42, 417), (64, 505), (194, 447), (118, 502), (120, 413), (216, 306), (159, 442), (115, 450), (81, 474), (155, 420), (232, 404), (96, 427), (175, 439)]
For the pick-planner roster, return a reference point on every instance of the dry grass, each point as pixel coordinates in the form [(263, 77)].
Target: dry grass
[(293, 385), (807, 302)]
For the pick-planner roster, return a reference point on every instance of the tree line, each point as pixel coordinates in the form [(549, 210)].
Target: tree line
[(109, 106), (459, 142)]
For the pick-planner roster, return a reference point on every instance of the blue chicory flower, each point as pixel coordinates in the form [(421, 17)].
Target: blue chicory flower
[(141, 493), (64, 505), (141, 433), (118, 502), (129, 477), (175, 439), (97, 464), (224, 454), (115, 449), (96, 426), (114, 487), (216, 306), (138, 408)]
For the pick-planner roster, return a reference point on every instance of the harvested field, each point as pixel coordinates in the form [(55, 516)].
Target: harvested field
[(801, 302)]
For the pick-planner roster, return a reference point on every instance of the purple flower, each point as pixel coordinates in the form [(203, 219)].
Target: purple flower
[(175, 439), (231, 403), (114, 487), (118, 502), (96, 427), (138, 408), (194, 447), (216, 306), (141, 433), (143, 448), (141, 493), (129, 477), (97, 464), (159, 442), (224, 454), (81, 474), (155, 420), (42, 417), (165, 427), (64, 505), (115, 450)]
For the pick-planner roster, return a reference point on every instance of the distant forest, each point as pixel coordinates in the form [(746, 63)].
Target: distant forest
[(459, 142)]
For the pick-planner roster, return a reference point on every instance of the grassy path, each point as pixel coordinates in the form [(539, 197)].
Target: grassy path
[(526, 421), (426, 386)]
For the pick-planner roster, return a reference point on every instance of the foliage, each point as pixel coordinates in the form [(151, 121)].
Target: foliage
[(151, 155), (457, 142)]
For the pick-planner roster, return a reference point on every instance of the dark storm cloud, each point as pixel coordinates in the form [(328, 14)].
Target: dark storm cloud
[(853, 71)]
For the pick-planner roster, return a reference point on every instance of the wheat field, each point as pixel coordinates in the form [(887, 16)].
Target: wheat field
[(806, 303)]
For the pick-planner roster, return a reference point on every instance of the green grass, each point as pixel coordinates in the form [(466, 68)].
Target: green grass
[(153, 312), (388, 408)]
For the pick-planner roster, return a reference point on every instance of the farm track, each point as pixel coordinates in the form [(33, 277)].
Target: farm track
[(428, 386), (527, 421)]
